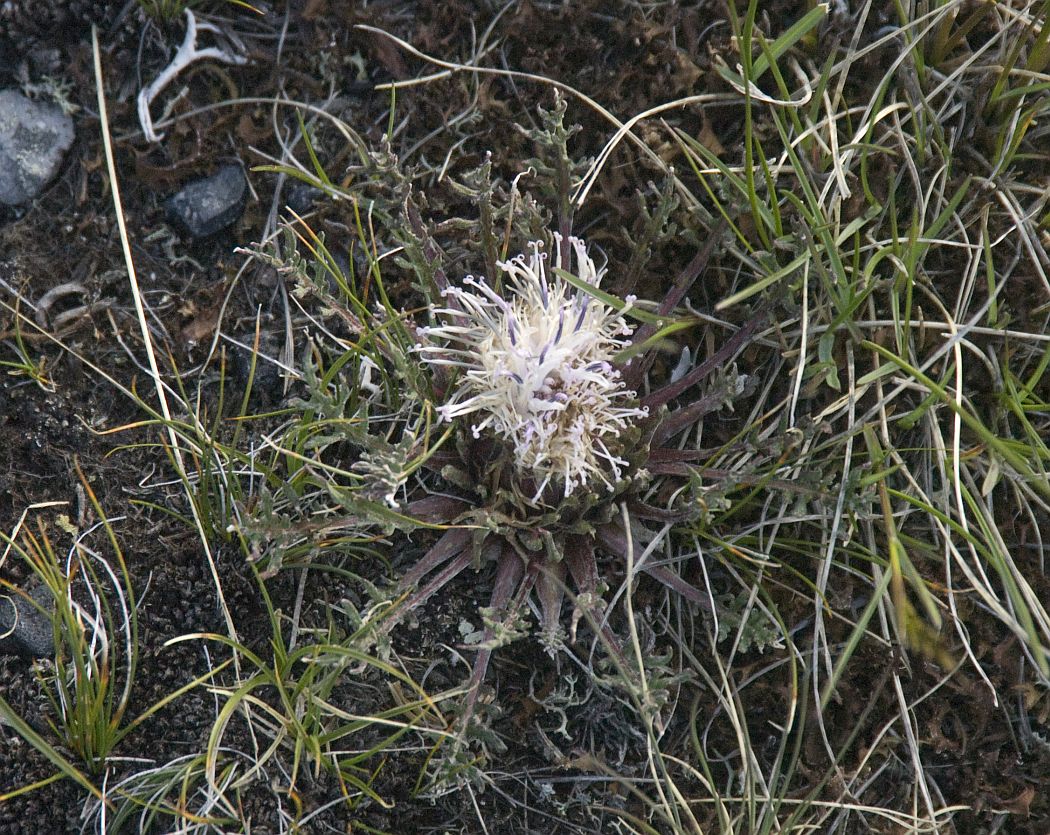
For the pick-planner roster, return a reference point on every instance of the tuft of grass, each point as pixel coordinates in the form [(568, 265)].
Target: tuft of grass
[(292, 703), (865, 223), (89, 682), (23, 363)]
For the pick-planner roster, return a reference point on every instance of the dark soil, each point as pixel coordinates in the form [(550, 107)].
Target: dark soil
[(313, 53)]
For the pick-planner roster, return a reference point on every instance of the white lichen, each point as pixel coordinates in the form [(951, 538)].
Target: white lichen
[(536, 368)]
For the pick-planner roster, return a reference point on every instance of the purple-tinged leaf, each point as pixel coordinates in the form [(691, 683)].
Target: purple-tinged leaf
[(436, 509), (641, 510), (579, 557), (434, 585), (636, 370), (509, 569), (451, 543), (669, 461), (612, 538), (678, 585), (477, 675), (687, 416), (720, 357), (441, 458), (550, 588)]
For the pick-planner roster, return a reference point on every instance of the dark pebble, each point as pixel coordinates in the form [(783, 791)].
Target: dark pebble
[(24, 630), (206, 207), (301, 197)]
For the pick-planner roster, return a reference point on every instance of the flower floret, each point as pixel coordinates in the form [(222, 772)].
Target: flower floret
[(536, 367)]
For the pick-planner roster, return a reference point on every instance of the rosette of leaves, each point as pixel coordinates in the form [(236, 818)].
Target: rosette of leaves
[(545, 520), (550, 520)]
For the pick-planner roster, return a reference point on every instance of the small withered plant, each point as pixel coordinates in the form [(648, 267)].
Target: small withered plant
[(517, 414)]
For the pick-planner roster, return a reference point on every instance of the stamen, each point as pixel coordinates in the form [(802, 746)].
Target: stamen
[(583, 313)]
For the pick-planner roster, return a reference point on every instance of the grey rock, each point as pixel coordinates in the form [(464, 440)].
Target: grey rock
[(302, 196), (267, 382), (205, 207), (24, 629), (34, 137)]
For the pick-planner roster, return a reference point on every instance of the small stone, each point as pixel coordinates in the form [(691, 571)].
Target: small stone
[(206, 207), (34, 137), (267, 382), (24, 629), (301, 197)]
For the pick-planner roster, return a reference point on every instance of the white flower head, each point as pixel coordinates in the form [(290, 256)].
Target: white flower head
[(536, 367)]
